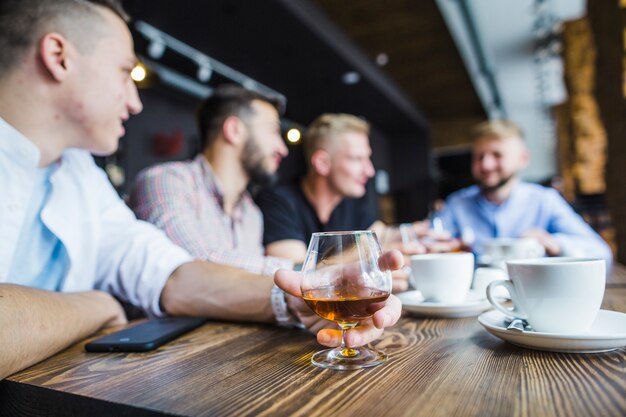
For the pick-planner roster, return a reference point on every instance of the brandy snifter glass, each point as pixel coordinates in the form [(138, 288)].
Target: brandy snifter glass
[(343, 282)]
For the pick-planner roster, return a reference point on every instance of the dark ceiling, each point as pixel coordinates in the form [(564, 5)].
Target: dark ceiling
[(422, 58), (302, 48)]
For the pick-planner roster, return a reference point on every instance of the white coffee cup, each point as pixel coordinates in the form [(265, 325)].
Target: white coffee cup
[(443, 277), (555, 295), (484, 276), (502, 249)]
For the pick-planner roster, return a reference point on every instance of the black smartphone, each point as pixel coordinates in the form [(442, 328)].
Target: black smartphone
[(145, 336)]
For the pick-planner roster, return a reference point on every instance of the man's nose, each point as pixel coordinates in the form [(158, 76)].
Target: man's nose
[(133, 102), (282, 148), (488, 162), (369, 168)]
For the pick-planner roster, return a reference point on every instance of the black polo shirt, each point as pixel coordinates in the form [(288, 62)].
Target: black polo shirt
[(288, 214)]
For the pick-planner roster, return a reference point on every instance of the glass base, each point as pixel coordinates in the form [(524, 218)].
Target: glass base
[(345, 359)]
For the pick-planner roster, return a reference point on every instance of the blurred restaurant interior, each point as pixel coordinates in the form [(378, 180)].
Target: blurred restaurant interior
[(187, 307), (421, 72)]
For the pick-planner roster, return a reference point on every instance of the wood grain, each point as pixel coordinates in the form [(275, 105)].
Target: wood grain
[(617, 277), (437, 367)]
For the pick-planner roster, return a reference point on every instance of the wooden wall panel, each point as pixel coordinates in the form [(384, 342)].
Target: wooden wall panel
[(607, 23), (587, 144)]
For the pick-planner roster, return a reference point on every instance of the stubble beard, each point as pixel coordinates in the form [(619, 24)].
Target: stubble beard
[(501, 184), (345, 193), (252, 160)]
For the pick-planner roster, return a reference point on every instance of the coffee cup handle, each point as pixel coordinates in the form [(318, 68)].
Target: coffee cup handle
[(537, 251), (515, 312)]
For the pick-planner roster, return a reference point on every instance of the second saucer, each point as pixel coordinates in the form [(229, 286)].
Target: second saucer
[(474, 304)]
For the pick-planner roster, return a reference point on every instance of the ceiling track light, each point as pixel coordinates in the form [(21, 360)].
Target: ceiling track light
[(294, 135), (156, 48), (138, 73), (205, 71), (351, 78), (160, 41)]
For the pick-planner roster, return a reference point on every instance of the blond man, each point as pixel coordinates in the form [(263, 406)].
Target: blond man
[(502, 205), (328, 197)]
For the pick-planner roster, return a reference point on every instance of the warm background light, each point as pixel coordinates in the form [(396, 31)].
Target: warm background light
[(138, 73), (293, 135)]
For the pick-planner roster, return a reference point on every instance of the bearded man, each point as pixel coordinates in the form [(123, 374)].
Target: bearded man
[(502, 205), (203, 205)]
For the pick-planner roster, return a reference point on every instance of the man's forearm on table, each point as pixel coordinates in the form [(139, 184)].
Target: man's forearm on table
[(292, 249), (36, 324), (219, 292)]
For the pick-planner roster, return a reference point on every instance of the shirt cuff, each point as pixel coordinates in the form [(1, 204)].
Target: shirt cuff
[(567, 248), (273, 264), (284, 318), (167, 266)]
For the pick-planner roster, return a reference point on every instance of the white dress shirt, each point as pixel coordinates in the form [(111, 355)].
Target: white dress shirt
[(109, 249)]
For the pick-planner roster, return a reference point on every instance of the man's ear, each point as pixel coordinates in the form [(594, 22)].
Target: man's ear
[(233, 130), (320, 162), (54, 50), (524, 158)]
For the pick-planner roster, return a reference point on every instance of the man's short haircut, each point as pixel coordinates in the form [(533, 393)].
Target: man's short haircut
[(323, 130), (497, 129), (227, 100), (24, 22)]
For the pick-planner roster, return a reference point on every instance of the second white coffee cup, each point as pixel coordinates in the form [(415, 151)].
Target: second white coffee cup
[(443, 277), (555, 295), (513, 248)]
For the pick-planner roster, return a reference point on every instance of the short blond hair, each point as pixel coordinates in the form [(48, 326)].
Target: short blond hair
[(496, 128), (323, 130)]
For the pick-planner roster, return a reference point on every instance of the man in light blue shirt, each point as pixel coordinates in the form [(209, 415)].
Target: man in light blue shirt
[(48, 258), (501, 205)]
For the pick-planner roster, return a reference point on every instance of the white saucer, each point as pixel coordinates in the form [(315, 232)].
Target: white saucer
[(474, 304), (608, 332)]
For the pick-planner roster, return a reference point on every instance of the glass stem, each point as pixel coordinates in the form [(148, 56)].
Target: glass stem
[(346, 351)]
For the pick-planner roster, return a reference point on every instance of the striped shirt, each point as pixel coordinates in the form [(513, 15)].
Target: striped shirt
[(185, 200)]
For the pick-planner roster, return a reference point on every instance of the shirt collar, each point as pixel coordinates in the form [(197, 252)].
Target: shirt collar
[(214, 187), (483, 202), (210, 180), (14, 142)]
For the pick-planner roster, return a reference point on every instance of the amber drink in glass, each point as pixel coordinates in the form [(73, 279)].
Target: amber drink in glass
[(343, 282)]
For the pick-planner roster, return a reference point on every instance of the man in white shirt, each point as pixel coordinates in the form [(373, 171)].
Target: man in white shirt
[(65, 91)]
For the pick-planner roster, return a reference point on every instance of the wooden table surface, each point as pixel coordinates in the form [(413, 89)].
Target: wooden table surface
[(437, 367), (617, 277)]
